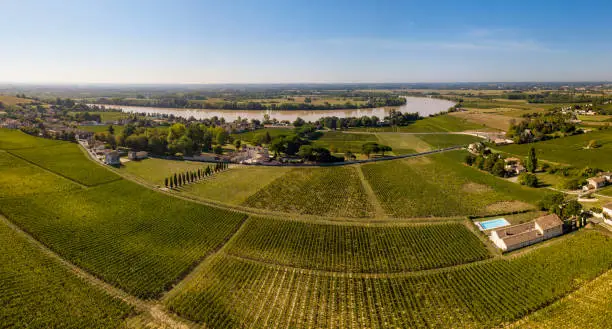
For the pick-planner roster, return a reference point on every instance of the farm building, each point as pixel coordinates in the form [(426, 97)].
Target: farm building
[(594, 183), (133, 155), (514, 166), (517, 236), (112, 158), (607, 210)]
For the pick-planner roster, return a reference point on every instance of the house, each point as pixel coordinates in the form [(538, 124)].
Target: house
[(476, 148), (133, 155), (518, 236), (607, 176), (514, 166), (594, 183), (112, 158), (607, 210)]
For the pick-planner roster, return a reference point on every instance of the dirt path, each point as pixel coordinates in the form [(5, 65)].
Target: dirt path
[(379, 211), (154, 313)]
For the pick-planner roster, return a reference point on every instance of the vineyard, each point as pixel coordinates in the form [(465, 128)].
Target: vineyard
[(19, 178), (69, 161), (37, 292), (440, 185), (15, 139), (155, 170), (331, 191), (339, 142), (350, 248), (230, 292), (589, 307), (134, 238)]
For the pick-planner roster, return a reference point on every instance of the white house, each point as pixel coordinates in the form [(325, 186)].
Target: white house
[(133, 155), (517, 236), (112, 158), (607, 211)]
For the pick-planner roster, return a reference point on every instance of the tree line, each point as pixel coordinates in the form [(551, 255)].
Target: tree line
[(186, 177)]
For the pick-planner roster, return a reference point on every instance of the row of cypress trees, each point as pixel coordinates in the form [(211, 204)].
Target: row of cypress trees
[(186, 177)]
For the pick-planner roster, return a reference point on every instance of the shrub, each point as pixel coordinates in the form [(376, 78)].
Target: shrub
[(528, 179)]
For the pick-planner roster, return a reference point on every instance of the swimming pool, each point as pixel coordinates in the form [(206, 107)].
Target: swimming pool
[(493, 223)]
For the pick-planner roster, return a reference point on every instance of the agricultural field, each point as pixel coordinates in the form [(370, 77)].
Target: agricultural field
[(11, 139), (439, 141), (403, 143), (102, 128), (136, 239), (496, 120), (68, 160), (340, 142), (355, 248), (156, 170), (328, 191), (441, 185), (250, 136), (571, 150), (440, 123), (235, 185), (20, 178), (36, 291), (589, 307), (12, 100), (229, 292)]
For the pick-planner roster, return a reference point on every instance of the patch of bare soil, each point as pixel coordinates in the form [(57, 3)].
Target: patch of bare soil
[(475, 188), (507, 206)]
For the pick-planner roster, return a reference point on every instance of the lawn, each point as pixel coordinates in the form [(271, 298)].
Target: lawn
[(136, 239), (571, 150), (229, 292), (440, 123), (328, 191), (236, 185), (156, 170), (441, 185), (36, 291), (68, 160), (351, 248)]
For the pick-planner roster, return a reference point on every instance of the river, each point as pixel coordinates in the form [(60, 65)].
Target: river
[(425, 106)]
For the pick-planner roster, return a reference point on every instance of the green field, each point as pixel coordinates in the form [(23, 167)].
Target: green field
[(350, 248), (236, 185), (229, 292), (134, 238), (441, 185), (330, 191), (440, 123), (439, 141), (339, 142), (249, 136), (15, 139), (156, 170), (589, 307), (102, 128), (571, 150), (68, 160), (20, 178), (37, 292)]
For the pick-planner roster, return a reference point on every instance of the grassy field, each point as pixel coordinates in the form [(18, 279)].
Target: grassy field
[(12, 100), (571, 150), (494, 120), (441, 185), (229, 292), (339, 142), (349, 248), (403, 144), (68, 160), (20, 178), (589, 307), (11, 139), (132, 237), (331, 191), (441, 123), (235, 185), (438, 141), (156, 170), (102, 128), (37, 292), (274, 132)]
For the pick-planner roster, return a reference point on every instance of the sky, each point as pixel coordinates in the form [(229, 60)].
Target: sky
[(286, 41)]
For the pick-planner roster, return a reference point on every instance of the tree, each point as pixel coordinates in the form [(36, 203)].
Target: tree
[(532, 161), (199, 173), (369, 148), (499, 168), (528, 179), (175, 179), (572, 208), (305, 152), (218, 149), (299, 122), (552, 202), (470, 159), (208, 171), (111, 130), (237, 144), (171, 184), (267, 138), (385, 148), (166, 181)]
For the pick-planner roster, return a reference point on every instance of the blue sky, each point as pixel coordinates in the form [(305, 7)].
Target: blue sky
[(262, 41)]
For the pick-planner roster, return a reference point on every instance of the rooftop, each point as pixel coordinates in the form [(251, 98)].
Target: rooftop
[(608, 205), (549, 221)]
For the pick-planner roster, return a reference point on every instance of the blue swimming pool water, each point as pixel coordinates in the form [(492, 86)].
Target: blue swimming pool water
[(494, 223)]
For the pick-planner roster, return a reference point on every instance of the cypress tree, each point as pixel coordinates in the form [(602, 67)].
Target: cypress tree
[(171, 184), (166, 181), (199, 174), (175, 180)]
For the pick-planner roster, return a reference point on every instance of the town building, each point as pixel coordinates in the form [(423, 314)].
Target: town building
[(518, 236), (112, 158), (137, 155)]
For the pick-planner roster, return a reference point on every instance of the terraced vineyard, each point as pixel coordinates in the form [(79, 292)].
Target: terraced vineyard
[(68, 160), (37, 292), (350, 248), (440, 185), (331, 191), (230, 292), (134, 238)]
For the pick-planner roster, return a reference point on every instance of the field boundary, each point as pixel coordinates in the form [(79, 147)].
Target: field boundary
[(379, 211)]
